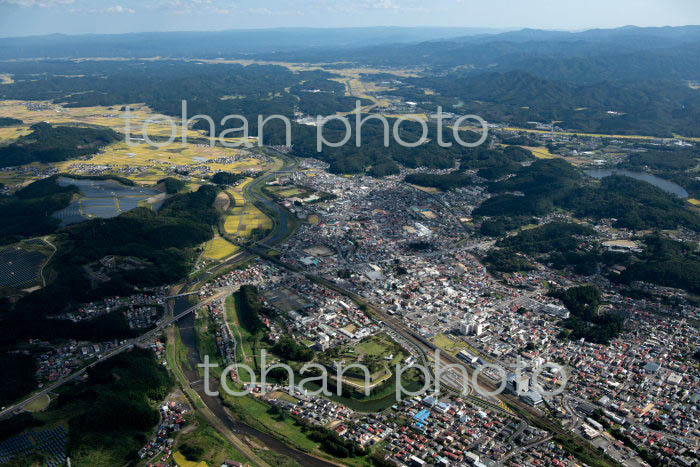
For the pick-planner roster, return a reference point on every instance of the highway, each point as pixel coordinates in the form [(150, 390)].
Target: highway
[(125, 346), (283, 219)]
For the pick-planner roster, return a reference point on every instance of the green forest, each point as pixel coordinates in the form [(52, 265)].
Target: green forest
[(162, 243), (54, 143)]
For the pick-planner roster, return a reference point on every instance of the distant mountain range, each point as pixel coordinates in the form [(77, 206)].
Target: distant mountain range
[(629, 53), (227, 44)]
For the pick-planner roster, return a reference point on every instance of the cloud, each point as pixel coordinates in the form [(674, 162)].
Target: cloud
[(118, 9), (37, 3)]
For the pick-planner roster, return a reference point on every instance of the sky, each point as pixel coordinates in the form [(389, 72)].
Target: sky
[(32, 17)]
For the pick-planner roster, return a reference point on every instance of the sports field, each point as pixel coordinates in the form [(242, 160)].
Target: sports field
[(39, 404)]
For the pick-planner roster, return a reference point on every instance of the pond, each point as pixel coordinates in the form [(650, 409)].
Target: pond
[(665, 185)]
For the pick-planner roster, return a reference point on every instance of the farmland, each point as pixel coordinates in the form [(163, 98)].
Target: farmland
[(219, 248), (111, 117), (155, 163), (540, 152), (136, 160), (244, 217)]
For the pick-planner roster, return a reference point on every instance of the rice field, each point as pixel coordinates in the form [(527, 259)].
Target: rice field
[(11, 133), (540, 152), (219, 248), (136, 154), (243, 220), (200, 159), (694, 202), (112, 117)]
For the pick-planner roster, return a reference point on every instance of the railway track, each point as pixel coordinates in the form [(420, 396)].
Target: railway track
[(506, 402)]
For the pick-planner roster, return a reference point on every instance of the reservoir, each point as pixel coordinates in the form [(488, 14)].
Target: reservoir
[(668, 187)]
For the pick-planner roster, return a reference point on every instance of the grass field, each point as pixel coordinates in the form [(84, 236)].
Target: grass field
[(454, 345), (219, 248), (216, 448), (244, 344), (380, 345), (290, 192), (205, 334), (257, 414), (39, 404), (281, 395)]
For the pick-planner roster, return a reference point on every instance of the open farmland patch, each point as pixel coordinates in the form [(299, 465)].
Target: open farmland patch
[(219, 248)]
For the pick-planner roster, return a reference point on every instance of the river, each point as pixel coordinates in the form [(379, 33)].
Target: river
[(186, 328), (665, 185)]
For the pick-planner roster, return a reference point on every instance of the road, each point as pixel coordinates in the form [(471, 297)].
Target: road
[(533, 415), (127, 345), (216, 405)]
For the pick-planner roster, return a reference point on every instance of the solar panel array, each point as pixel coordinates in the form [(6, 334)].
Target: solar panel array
[(19, 267), (102, 198), (52, 443)]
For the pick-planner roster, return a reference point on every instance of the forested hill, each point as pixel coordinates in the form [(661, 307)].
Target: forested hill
[(518, 97), (629, 53), (53, 143), (160, 248)]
